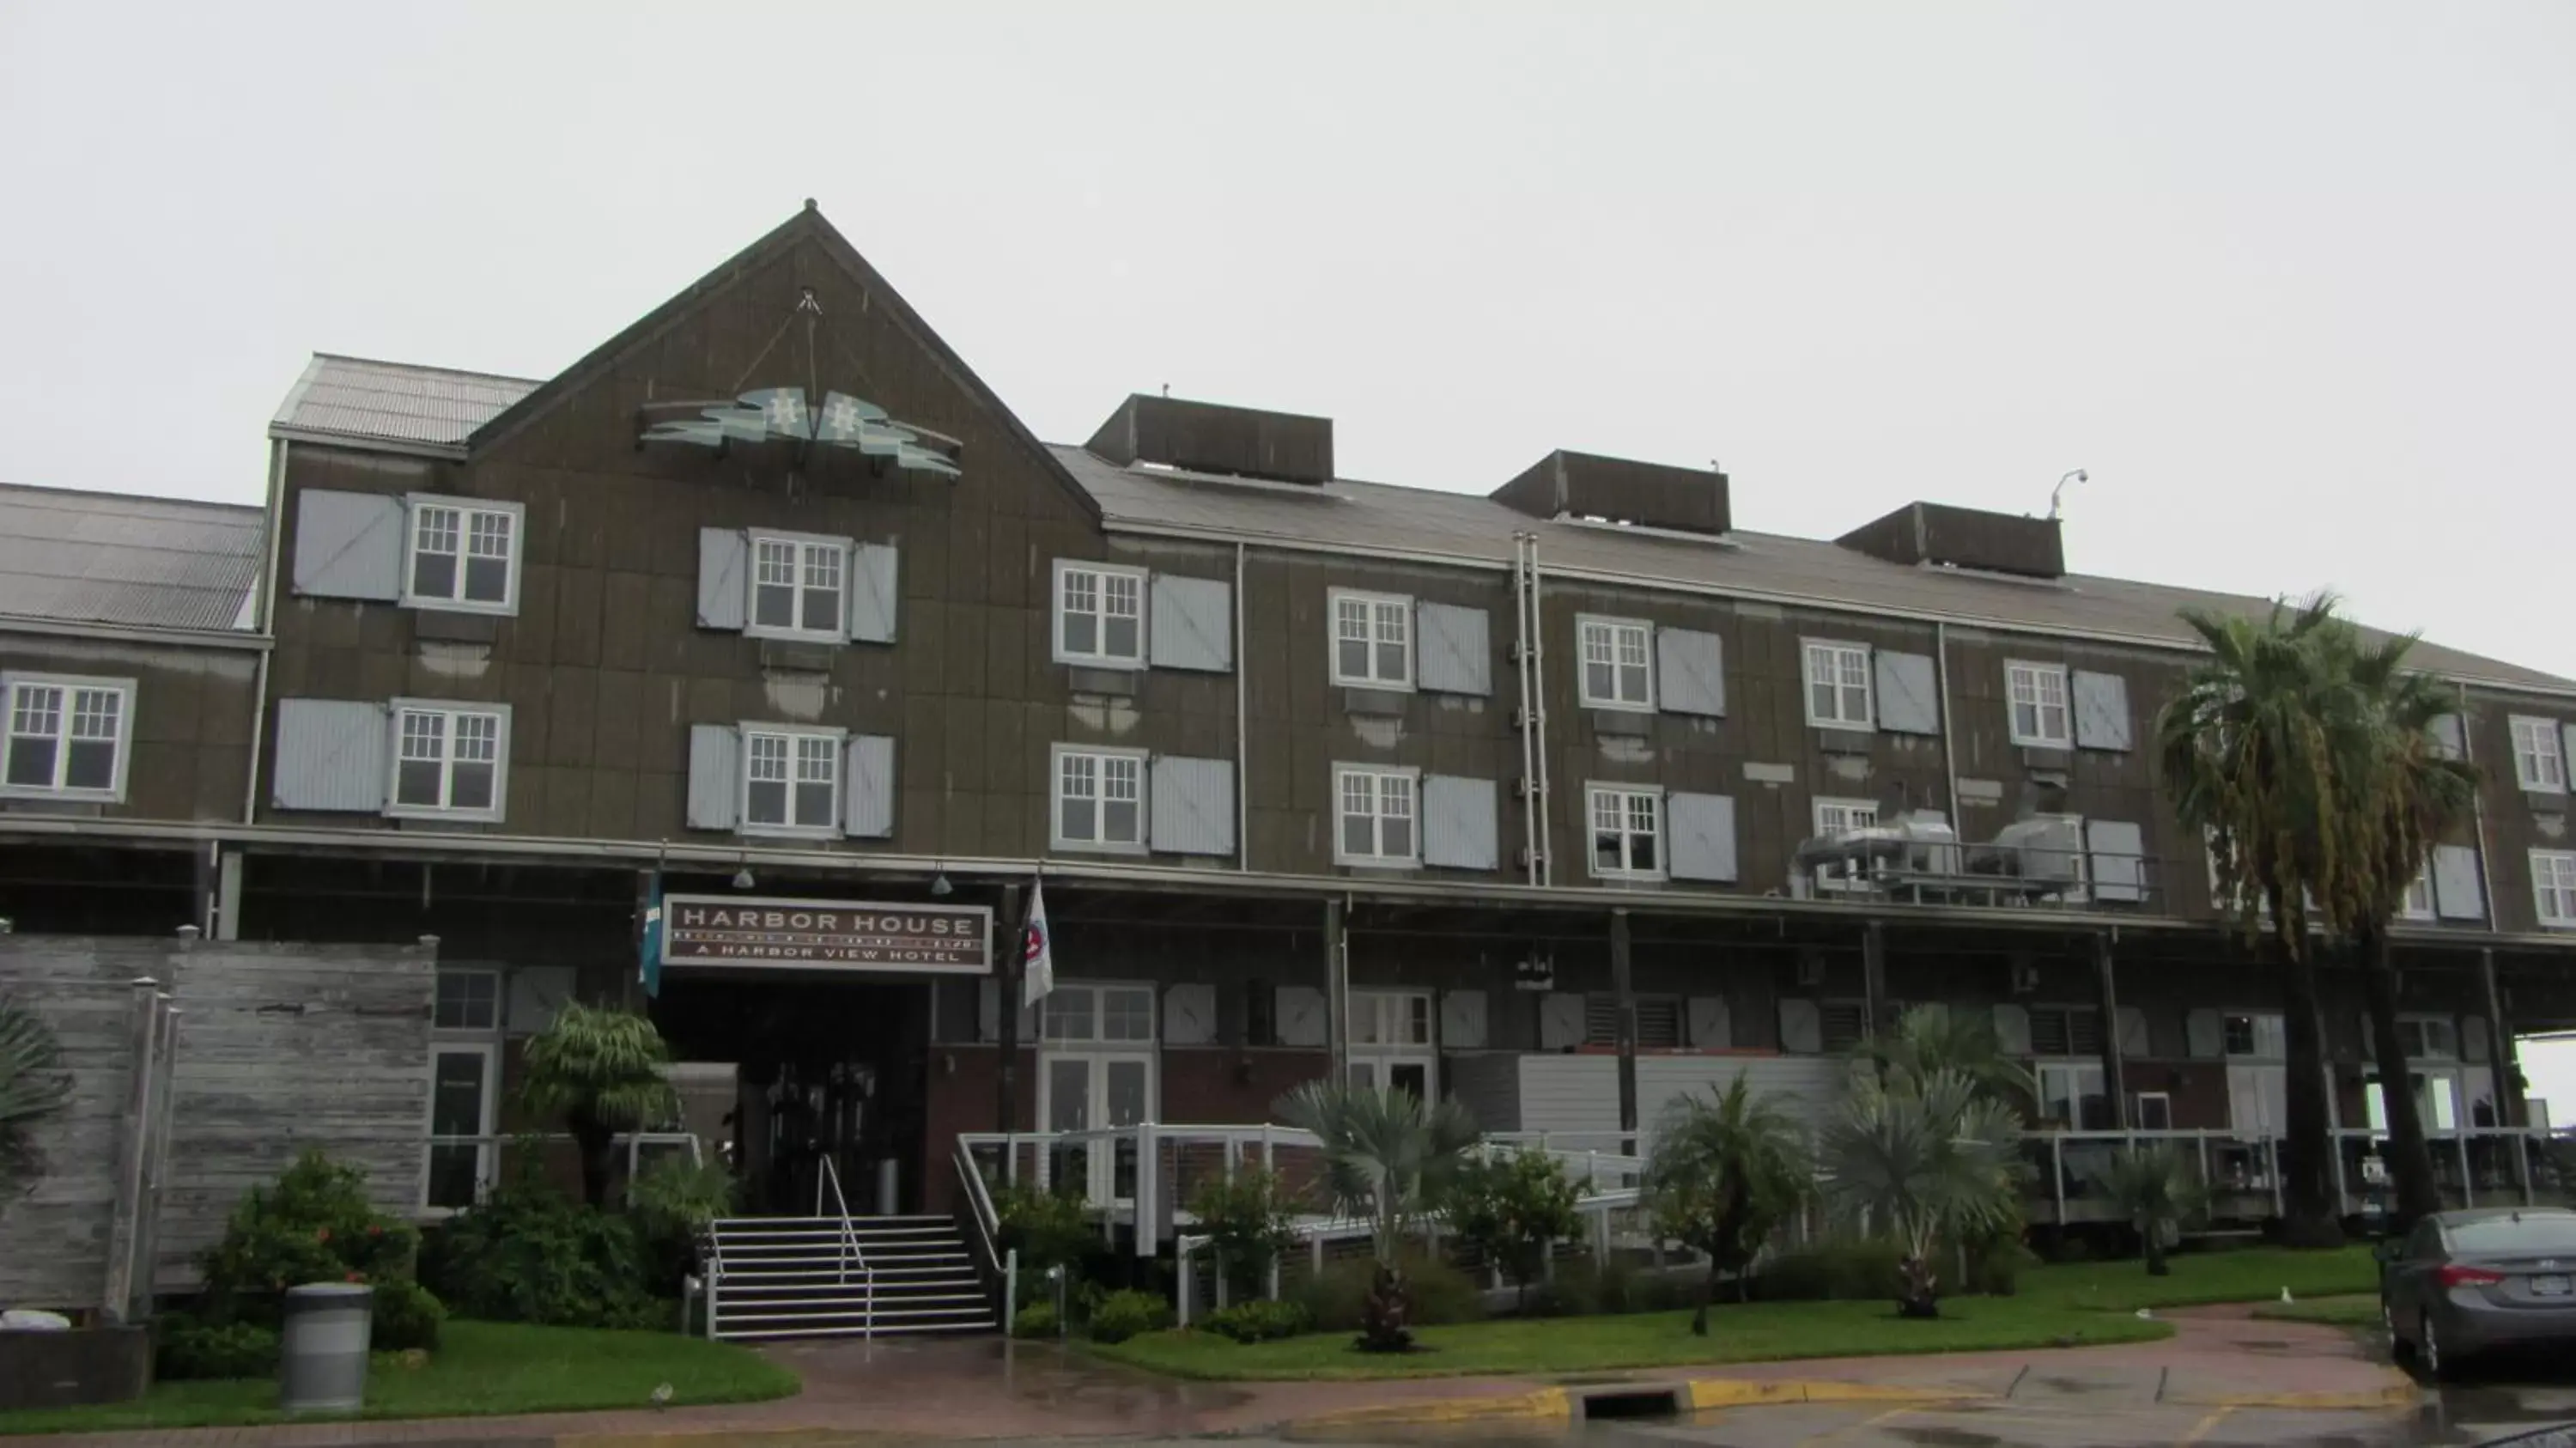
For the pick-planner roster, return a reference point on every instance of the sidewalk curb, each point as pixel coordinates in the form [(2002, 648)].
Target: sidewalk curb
[(1564, 1405), (2394, 1396)]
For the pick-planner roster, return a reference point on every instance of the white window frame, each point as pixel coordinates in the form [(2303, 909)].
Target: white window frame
[(2553, 888), (451, 712), (65, 715), (1627, 795), (2415, 1031), (795, 735), (2539, 755), (1379, 606), (467, 510), (2072, 1074), (2417, 904), (1830, 816), (484, 1040), (1841, 650), (1095, 1015), (2038, 675), (1379, 814), (1100, 574), (1101, 757), (2265, 1029), (802, 547), (1613, 632)]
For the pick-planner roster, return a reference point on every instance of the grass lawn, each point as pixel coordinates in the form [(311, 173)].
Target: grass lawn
[(2357, 1311), (1738, 1332), (480, 1368), (2252, 1274)]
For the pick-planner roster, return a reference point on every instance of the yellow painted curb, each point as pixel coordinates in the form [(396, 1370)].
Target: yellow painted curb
[(1706, 1393), (1543, 1405), (713, 1437), (2398, 1395)]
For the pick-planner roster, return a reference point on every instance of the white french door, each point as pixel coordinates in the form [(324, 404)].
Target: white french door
[(1390, 1045), (1094, 1091), (464, 1095)]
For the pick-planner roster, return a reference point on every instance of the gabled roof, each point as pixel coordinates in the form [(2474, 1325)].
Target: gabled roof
[(111, 558), (1361, 518), (357, 400)]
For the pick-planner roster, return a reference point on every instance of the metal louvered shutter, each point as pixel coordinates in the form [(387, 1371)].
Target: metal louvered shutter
[(2457, 893), (867, 805), (1909, 693), (1711, 1023), (1801, 1027), (1845, 1023), (1703, 831), (2450, 740), (875, 588), (1191, 803), (331, 755), (348, 545), (724, 563), (2119, 850), (1455, 655), (1458, 823), (715, 776), (2101, 710), (1690, 672), (1191, 625)]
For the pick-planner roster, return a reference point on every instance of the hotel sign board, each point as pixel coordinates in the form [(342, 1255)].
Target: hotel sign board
[(743, 932)]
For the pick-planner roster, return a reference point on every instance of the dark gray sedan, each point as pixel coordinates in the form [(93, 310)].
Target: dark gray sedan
[(2463, 1283)]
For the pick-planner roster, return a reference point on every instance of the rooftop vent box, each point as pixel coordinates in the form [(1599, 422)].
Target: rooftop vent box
[(1207, 437), (1963, 538), (1616, 490)]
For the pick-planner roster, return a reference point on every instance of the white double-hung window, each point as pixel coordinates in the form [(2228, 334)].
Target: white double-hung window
[(791, 780), (2539, 762), (463, 555), (1838, 685), (2553, 886), (1372, 639), (1618, 663), (1835, 817), (1099, 799), (451, 761), (68, 737), (1378, 819), (799, 586), (1099, 614), (2038, 694), (1627, 832)]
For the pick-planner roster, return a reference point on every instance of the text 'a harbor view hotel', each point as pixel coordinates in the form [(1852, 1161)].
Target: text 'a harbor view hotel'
[(767, 639)]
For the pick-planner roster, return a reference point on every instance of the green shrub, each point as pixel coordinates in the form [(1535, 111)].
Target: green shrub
[(1441, 1293), (1509, 1208), (1995, 1269), (1122, 1315), (672, 1203), (406, 1317), (314, 1225), (1581, 1289), (1050, 1229), (190, 1348), (531, 1254), (1038, 1319), (1248, 1221), (1849, 1270), (1259, 1321)]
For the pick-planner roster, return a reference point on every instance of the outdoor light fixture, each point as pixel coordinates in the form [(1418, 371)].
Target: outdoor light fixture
[(742, 879), (940, 889), (2055, 508)]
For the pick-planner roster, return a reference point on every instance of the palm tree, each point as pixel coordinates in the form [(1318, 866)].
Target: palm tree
[(1923, 1158), (1387, 1156), (1727, 1170), (2249, 752), (2159, 1189), (2408, 796), (1931, 1038), (33, 1086), (601, 1070)]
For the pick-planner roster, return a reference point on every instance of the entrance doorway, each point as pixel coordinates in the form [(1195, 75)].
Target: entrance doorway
[(829, 1071)]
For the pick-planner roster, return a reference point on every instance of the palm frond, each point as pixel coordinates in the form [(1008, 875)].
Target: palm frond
[(33, 1086)]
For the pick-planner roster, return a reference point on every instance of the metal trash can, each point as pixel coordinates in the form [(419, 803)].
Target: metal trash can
[(322, 1349)]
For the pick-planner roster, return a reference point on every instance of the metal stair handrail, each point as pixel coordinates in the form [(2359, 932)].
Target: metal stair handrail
[(851, 1255)]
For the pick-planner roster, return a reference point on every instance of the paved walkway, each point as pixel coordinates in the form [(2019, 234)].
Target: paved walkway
[(917, 1389)]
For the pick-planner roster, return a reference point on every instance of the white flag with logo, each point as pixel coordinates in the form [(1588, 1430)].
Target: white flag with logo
[(1037, 951)]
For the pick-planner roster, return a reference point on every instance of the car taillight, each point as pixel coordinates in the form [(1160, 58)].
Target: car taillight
[(2458, 1276)]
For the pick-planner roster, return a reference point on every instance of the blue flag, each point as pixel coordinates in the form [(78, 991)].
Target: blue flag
[(648, 965)]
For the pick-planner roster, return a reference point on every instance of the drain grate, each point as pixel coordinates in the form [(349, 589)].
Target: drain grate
[(1632, 1403)]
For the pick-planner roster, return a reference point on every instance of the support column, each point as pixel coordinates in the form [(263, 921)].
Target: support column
[(2114, 1061), (1010, 967), (228, 893), (1337, 990), (1623, 989), (2500, 1063), (1873, 976)]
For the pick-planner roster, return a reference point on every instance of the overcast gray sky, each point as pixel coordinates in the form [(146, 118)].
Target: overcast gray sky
[(2296, 282)]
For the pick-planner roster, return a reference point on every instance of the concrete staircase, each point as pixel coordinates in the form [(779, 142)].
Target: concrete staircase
[(798, 1277)]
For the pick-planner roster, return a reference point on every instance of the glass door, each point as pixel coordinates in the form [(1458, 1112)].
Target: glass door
[(1384, 1073), (1095, 1091), (462, 1100)]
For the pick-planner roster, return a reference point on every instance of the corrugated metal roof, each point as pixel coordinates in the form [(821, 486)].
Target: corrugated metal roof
[(118, 559), (392, 402), (1363, 516), (366, 401)]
